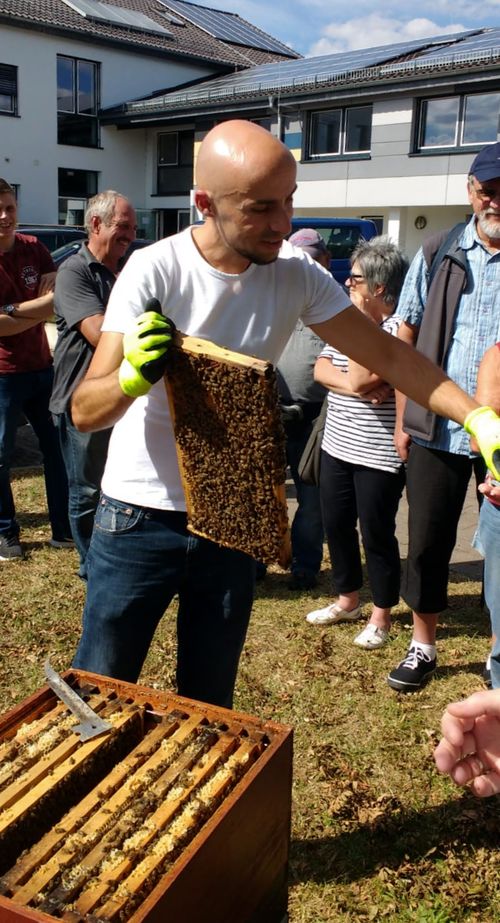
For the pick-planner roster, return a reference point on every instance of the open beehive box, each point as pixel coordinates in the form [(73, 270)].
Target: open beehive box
[(180, 814), (230, 447)]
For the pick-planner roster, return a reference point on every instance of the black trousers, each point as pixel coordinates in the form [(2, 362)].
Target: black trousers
[(436, 487), (351, 492)]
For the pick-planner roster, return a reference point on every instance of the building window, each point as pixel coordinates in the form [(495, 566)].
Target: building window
[(459, 121), (8, 89), (77, 101), (264, 123), (340, 132), (76, 187), (175, 162)]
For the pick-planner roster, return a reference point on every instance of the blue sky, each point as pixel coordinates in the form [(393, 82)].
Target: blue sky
[(315, 27)]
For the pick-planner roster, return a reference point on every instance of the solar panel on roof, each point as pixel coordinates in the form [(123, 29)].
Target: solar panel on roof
[(300, 72), (226, 26), (471, 43), (305, 72), (106, 12)]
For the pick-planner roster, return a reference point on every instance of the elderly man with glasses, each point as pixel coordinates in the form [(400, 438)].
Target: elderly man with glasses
[(451, 312)]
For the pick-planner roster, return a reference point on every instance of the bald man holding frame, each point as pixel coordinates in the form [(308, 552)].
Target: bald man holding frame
[(236, 281)]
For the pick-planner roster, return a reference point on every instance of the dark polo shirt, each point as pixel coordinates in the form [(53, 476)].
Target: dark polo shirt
[(83, 287)]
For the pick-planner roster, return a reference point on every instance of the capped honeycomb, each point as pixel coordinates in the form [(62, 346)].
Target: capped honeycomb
[(231, 448)]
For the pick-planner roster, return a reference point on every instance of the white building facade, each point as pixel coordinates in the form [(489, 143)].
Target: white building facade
[(58, 72), (87, 104)]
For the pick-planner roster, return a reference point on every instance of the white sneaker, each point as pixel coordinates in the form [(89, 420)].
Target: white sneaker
[(371, 637), (332, 615)]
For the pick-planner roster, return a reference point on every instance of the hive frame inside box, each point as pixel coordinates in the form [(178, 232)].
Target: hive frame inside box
[(235, 868)]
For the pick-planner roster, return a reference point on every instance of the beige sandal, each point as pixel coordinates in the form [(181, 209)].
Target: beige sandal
[(332, 615)]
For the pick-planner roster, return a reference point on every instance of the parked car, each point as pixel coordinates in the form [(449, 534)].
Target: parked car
[(54, 235), (62, 253), (341, 236)]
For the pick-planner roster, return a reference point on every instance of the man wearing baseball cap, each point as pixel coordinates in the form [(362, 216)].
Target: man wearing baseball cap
[(450, 305), (311, 241)]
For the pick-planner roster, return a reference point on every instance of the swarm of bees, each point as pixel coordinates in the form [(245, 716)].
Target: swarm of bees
[(231, 450)]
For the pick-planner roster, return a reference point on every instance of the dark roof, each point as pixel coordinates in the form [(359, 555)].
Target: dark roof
[(473, 51), (181, 38)]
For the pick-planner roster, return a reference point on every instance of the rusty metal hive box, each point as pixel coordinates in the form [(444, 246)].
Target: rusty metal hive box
[(181, 814)]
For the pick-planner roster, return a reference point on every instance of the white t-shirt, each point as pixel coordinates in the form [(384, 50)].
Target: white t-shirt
[(253, 312)]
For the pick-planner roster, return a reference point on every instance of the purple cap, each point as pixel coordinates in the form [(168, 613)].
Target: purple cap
[(309, 240), (486, 164)]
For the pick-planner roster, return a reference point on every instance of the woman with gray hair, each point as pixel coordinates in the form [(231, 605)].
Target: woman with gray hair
[(362, 476)]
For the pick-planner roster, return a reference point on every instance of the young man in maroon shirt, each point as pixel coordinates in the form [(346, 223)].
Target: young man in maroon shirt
[(26, 300)]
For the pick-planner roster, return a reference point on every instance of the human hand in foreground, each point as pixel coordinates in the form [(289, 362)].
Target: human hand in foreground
[(145, 353), (484, 426), (402, 443), (378, 394), (490, 489), (470, 748)]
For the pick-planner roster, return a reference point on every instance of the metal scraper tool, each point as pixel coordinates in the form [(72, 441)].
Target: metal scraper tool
[(90, 723)]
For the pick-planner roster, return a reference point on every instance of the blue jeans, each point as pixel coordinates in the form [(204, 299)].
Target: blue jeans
[(29, 393), (487, 542), (307, 527), (138, 560), (84, 456)]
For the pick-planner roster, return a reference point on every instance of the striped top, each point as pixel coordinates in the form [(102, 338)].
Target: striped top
[(357, 431)]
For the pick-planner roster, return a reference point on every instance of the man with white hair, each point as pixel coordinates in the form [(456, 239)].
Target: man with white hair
[(83, 286), (451, 312)]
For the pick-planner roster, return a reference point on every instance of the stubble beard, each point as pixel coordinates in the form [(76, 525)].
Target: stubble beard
[(253, 257)]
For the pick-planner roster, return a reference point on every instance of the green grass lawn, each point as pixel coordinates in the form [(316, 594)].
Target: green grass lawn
[(376, 833)]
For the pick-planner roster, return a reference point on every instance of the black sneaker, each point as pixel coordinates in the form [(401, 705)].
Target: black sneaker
[(413, 672), (10, 548), (487, 672)]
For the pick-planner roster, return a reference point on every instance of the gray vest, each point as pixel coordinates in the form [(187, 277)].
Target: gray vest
[(448, 279)]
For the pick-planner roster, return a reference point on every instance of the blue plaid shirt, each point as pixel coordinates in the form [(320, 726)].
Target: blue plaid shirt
[(476, 326)]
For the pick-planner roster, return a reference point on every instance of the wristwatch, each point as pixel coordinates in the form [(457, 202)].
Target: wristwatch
[(8, 309)]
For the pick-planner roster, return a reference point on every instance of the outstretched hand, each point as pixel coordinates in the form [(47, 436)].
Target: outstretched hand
[(470, 749)]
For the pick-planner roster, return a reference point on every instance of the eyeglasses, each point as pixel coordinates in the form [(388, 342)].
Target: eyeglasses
[(354, 278), (486, 194)]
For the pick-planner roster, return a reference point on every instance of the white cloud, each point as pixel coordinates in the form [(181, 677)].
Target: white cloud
[(374, 30)]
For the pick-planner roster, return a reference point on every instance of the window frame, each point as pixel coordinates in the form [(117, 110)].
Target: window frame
[(86, 184), (176, 176), (459, 145), (344, 113), (167, 163), (9, 73), (77, 111)]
